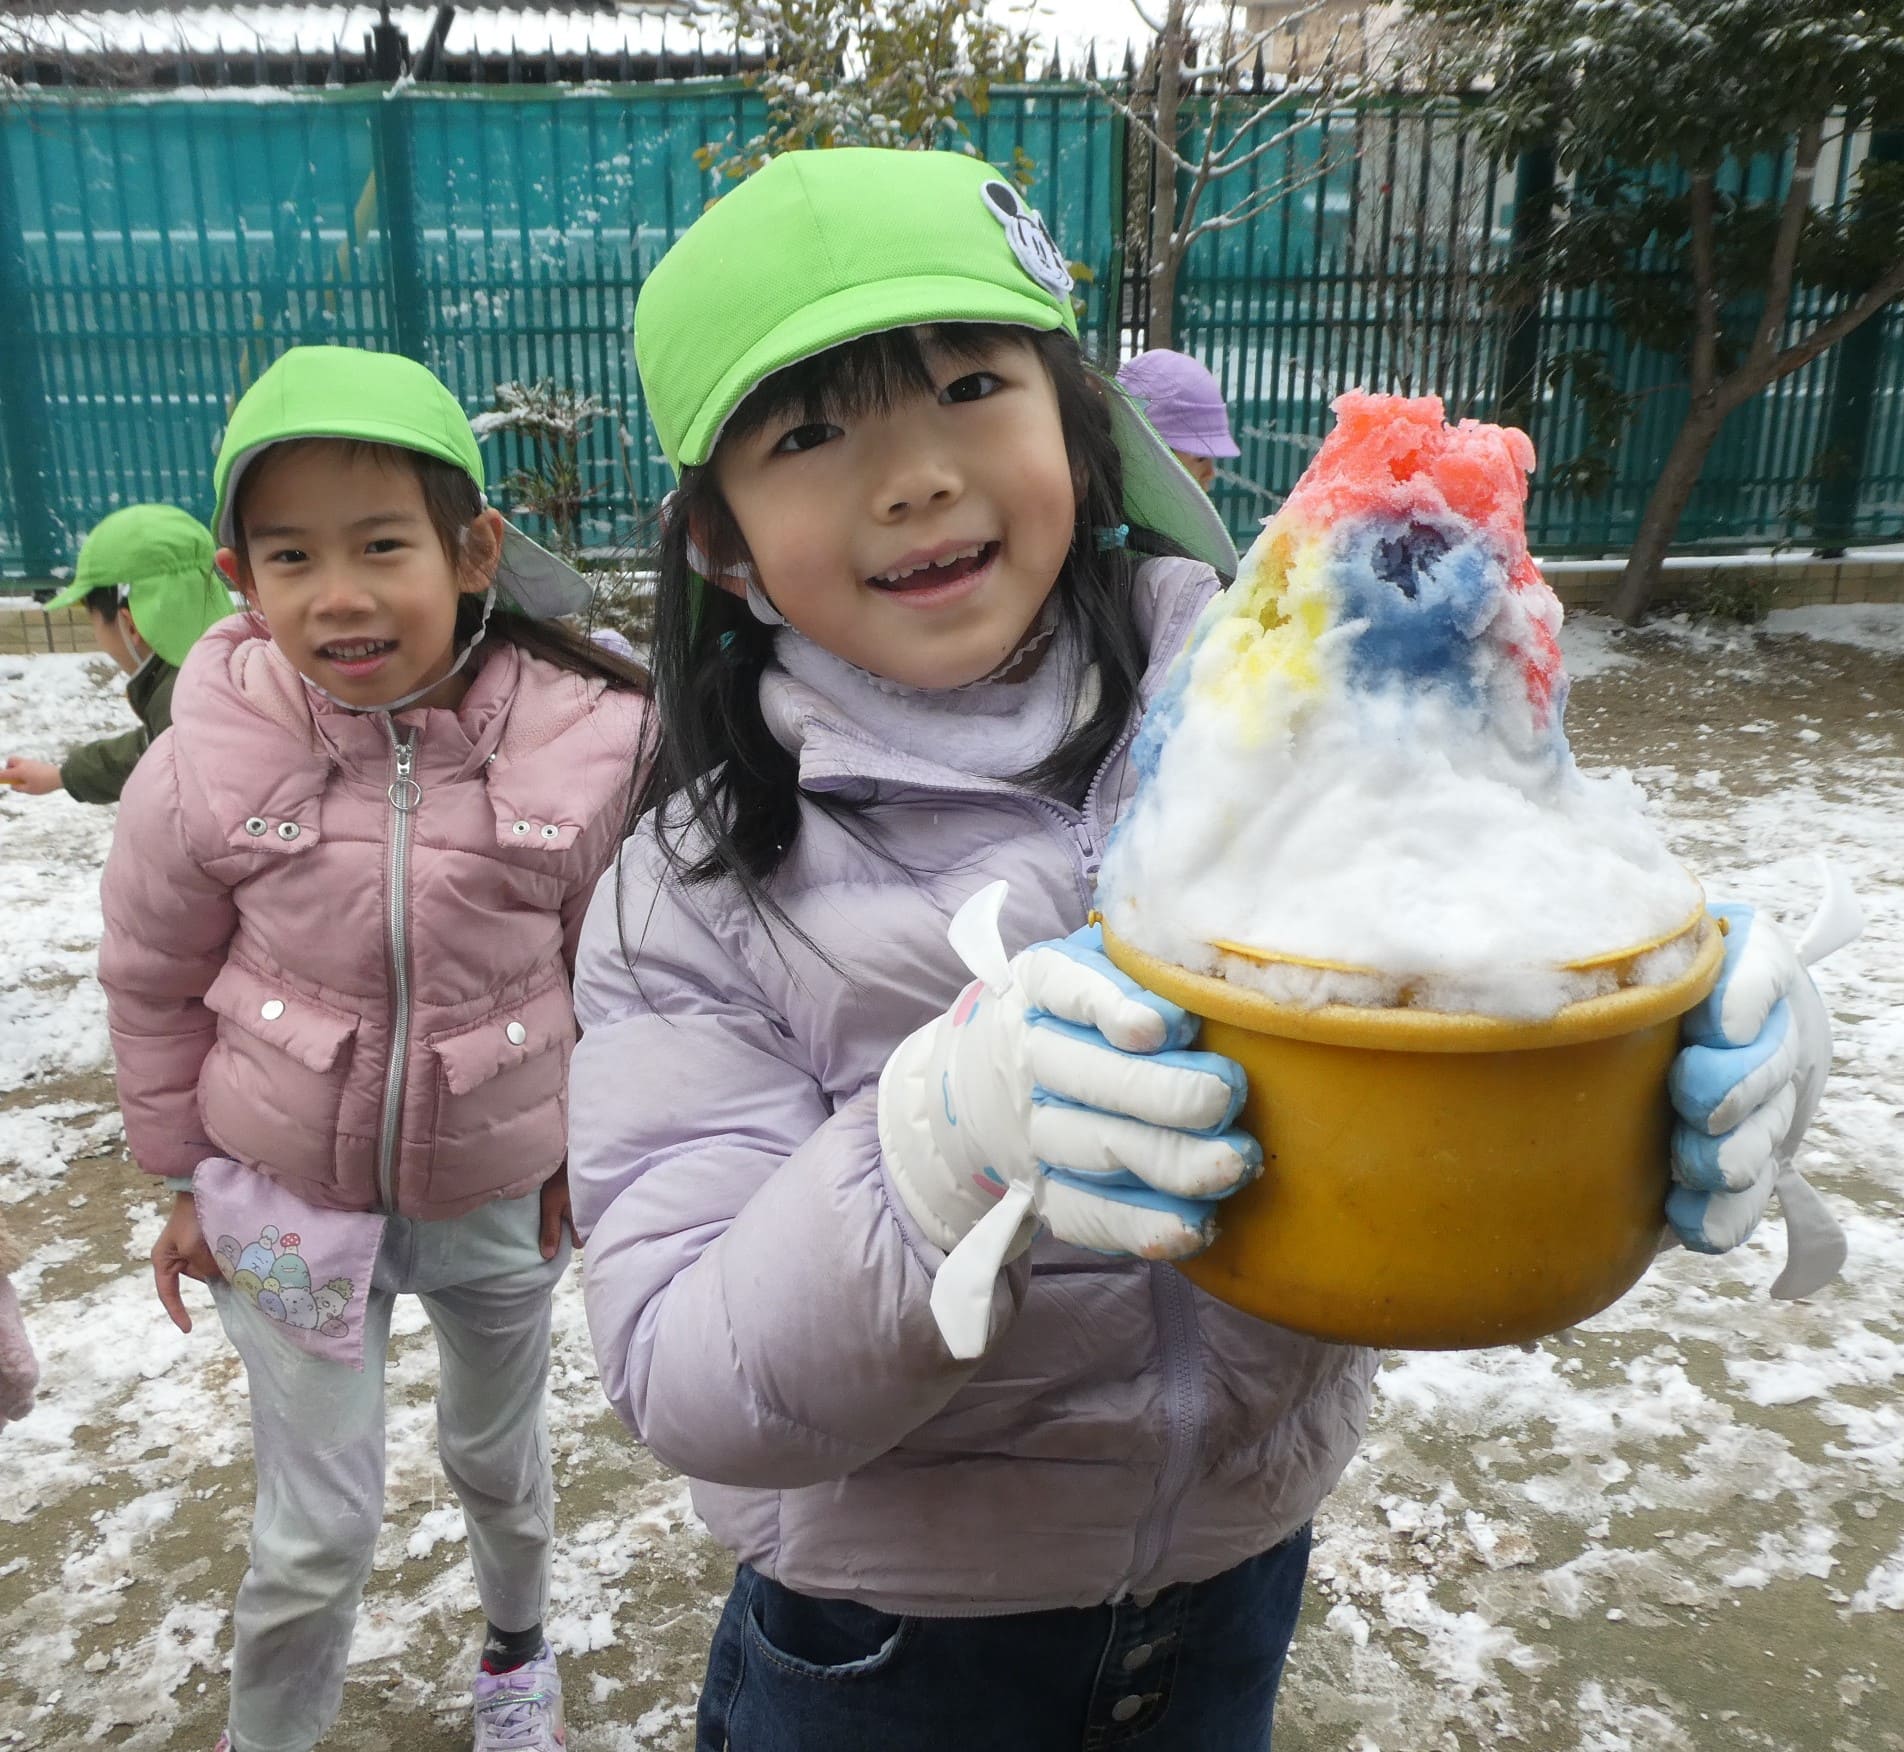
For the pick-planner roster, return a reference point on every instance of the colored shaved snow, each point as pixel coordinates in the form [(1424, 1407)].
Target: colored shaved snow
[(1356, 786)]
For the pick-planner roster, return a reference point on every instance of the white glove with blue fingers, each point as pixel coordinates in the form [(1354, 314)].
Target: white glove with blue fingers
[(1056, 1091), (1746, 1085)]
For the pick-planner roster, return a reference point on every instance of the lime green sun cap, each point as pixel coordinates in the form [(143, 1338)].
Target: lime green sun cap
[(161, 560), (821, 247), (380, 398)]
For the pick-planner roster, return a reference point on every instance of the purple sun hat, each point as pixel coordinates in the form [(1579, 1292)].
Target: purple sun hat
[(1182, 401)]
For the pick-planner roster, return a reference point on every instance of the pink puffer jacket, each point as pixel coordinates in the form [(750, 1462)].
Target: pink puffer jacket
[(368, 1003)]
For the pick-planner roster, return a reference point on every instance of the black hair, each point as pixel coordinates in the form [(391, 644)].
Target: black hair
[(453, 502), (105, 600), (719, 777)]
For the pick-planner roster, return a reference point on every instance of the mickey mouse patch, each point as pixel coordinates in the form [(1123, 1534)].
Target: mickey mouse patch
[(1030, 241)]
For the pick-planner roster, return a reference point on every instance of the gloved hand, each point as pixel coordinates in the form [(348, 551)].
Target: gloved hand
[(1745, 1086), (1056, 1091)]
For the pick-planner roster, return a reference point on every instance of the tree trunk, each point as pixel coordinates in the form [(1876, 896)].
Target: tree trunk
[(1164, 253), (1680, 473)]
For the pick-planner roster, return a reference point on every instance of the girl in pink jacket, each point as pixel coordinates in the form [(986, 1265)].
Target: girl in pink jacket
[(341, 909)]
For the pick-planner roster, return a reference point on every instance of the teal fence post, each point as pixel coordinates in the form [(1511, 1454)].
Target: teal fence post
[(1520, 351), (397, 217), (1848, 418), (23, 410)]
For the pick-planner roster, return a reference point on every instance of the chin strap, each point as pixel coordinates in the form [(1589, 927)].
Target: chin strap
[(416, 693)]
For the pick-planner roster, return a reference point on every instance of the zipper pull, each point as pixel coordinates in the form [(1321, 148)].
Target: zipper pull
[(405, 793)]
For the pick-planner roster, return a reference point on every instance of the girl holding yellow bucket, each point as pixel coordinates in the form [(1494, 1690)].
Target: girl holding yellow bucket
[(882, 1265)]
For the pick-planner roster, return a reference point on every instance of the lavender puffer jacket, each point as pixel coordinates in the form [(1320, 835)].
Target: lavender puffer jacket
[(367, 1004), (758, 1295)]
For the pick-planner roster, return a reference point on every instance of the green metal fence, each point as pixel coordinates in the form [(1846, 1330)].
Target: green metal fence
[(156, 253), (1376, 275)]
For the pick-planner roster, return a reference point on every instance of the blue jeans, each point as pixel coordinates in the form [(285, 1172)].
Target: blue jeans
[(1191, 1669)]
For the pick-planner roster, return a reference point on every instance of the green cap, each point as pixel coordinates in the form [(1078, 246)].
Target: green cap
[(380, 398), (161, 560), (821, 247)]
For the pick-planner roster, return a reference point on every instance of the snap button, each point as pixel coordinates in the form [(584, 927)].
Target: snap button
[(517, 1033), (287, 830), (521, 827), (1126, 1707), (271, 1009), (551, 831), (256, 825), (1138, 1657)]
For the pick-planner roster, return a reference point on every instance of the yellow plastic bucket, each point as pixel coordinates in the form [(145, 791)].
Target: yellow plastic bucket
[(1438, 1181)]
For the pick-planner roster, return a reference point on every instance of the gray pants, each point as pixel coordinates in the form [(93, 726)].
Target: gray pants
[(318, 1431)]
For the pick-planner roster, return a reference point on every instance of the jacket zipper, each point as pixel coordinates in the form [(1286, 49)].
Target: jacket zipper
[(1093, 840), (405, 794)]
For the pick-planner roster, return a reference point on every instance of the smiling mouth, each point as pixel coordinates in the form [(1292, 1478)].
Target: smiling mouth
[(947, 569), (355, 650)]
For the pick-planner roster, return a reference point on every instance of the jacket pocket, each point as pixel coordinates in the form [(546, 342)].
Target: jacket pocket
[(272, 1088), (502, 1094)]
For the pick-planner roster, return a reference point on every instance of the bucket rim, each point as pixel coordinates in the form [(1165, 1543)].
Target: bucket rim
[(1420, 1030)]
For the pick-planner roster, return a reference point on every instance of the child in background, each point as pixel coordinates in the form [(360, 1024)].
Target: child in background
[(146, 577), (19, 1373), (922, 573), (341, 906), (1184, 405)]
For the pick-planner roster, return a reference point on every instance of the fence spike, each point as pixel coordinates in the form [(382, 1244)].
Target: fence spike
[(1130, 64), (1256, 73), (1054, 71), (624, 70), (1090, 61)]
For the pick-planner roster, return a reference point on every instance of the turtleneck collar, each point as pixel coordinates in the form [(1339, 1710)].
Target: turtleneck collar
[(989, 728)]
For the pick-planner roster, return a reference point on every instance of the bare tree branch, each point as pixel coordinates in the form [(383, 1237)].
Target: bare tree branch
[(1745, 383), (1308, 119), (1261, 202), (1791, 225), (1259, 39), (1705, 293)]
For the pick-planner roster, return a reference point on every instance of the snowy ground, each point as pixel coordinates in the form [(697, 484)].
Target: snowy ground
[(1680, 1531)]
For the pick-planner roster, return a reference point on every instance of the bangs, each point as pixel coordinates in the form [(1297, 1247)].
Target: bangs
[(870, 375)]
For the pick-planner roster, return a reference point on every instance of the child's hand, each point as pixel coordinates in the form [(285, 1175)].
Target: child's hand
[(556, 1212), (1059, 1072), (180, 1251), (35, 777), (19, 1374), (1745, 1084)]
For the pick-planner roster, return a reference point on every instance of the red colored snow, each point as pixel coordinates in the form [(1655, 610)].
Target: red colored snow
[(1398, 453), (1397, 456)]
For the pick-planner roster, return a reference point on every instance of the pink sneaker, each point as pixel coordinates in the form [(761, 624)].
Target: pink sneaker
[(521, 1710), (224, 1743)]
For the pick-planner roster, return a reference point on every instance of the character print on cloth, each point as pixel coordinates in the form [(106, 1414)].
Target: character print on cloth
[(304, 1268), (1030, 242), (272, 1276)]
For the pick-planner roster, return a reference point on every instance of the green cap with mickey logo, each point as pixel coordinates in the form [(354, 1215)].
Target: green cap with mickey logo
[(821, 247)]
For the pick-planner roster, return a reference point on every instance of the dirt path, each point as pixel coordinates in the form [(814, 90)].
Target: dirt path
[(1681, 1530)]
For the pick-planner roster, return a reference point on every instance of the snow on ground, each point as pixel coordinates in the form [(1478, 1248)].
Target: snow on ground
[(1679, 1529)]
